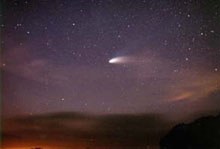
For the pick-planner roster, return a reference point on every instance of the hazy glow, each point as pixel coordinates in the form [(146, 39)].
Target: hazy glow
[(183, 96)]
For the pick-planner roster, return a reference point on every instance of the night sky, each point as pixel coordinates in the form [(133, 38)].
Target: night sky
[(110, 57)]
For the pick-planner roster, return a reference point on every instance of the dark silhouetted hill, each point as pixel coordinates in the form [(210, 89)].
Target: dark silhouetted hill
[(203, 133)]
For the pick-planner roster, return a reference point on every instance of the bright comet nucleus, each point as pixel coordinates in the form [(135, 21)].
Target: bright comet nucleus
[(117, 60), (113, 60)]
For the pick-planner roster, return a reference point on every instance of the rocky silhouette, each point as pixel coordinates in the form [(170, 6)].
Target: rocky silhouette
[(203, 133)]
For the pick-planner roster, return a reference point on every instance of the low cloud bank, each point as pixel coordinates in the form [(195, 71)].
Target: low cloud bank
[(77, 128)]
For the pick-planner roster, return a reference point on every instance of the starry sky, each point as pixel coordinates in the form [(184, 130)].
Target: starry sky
[(56, 57)]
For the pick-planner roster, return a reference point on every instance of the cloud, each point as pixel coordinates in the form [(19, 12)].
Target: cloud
[(75, 128), (195, 87)]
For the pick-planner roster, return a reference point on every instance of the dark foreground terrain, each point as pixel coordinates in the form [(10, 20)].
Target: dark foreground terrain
[(203, 133)]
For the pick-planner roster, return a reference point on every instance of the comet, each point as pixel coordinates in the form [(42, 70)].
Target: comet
[(119, 60)]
